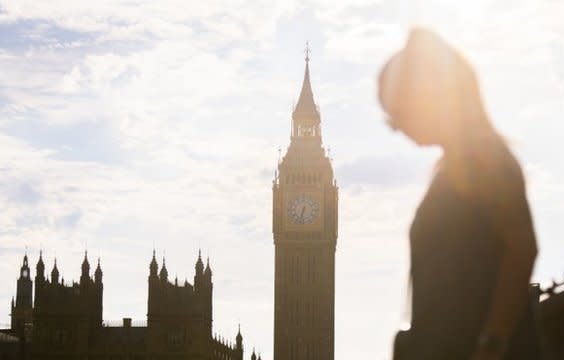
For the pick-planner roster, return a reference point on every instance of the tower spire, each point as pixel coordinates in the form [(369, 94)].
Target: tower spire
[(199, 264), (85, 268), (40, 267), (55, 273), (164, 272), (239, 339), (153, 266), (306, 118)]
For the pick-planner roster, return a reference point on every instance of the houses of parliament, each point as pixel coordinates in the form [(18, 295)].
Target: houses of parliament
[(64, 321), (54, 320)]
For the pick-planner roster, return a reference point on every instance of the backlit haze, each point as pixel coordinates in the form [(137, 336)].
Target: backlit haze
[(157, 124)]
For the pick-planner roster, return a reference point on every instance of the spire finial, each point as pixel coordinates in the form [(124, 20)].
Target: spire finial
[(307, 52)]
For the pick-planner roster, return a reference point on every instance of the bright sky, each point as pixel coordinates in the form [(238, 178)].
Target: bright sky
[(133, 124)]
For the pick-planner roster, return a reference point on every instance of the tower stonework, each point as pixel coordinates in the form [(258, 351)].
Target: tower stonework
[(22, 309), (305, 224)]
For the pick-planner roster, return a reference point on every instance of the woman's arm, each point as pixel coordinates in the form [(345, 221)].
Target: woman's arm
[(506, 197)]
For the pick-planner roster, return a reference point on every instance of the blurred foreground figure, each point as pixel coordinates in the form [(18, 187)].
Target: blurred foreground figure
[(472, 240)]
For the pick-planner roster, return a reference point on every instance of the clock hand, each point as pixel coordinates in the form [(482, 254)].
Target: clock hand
[(302, 213)]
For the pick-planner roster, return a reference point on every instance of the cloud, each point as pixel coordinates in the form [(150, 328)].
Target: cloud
[(23, 193), (70, 220), (385, 171)]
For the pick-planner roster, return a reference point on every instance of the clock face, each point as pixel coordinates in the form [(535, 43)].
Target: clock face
[(303, 210)]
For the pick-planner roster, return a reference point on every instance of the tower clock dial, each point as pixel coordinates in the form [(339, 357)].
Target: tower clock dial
[(303, 210)]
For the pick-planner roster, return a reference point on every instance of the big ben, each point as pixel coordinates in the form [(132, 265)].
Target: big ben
[(305, 220)]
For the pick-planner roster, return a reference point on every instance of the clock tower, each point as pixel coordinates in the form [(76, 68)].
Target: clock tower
[(305, 218)]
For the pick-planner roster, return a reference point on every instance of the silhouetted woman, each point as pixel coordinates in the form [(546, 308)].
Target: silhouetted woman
[(472, 241)]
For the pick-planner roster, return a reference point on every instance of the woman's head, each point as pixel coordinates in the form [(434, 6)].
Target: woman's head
[(431, 92)]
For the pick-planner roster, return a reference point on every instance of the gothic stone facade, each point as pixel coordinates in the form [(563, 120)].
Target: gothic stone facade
[(305, 219), (65, 321)]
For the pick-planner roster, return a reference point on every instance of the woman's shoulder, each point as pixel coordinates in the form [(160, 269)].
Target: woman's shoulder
[(488, 168), (495, 169)]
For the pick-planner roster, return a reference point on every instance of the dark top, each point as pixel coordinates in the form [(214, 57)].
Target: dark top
[(455, 256)]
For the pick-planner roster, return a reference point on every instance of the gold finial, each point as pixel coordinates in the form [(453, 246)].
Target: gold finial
[(307, 51)]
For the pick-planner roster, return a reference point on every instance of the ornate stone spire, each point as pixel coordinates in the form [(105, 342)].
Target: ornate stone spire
[(98, 273), (208, 271), (85, 265), (306, 119), (164, 272), (306, 104), (55, 273), (40, 267), (153, 267), (199, 264)]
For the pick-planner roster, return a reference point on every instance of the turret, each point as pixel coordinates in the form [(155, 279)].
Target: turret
[(154, 284), (85, 275), (239, 339), (254, 355), (153, 267), (199, 264), (199, 277), (208, 271), (98, 274), (55, 273), (39, 278), (239, 344), (40, 268), (164, 272), (98, 291)]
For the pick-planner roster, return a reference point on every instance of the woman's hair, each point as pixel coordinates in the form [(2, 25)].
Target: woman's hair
[(435, 83)]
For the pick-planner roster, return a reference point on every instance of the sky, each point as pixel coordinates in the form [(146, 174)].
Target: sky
[(132, 125)]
